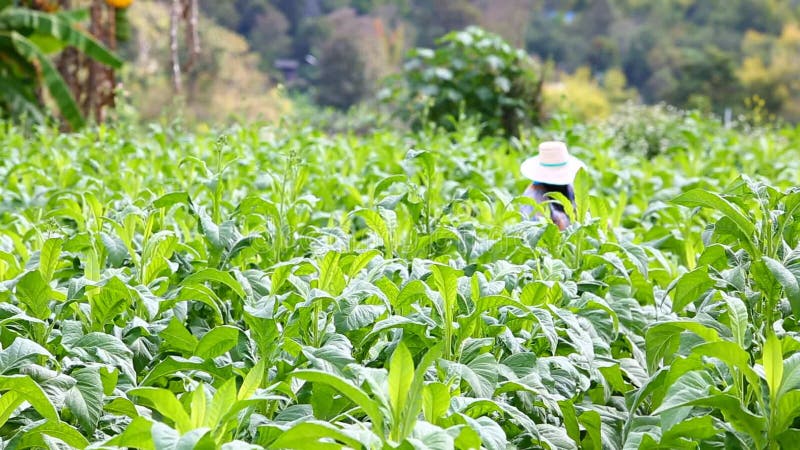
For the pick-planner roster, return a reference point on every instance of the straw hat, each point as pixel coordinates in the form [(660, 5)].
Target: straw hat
[(553, 164)]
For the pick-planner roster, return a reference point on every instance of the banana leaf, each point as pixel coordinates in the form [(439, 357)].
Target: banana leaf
[(22, 20), (52, 79)]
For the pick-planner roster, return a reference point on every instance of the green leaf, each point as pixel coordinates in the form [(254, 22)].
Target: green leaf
[(172, 365), (116, 249), (85, 399), (32, 436), (165, 403), (157, 252), (352, 392), (178, 337), (52, 79), (773, 365), (401, 375), (56, 26), (331, 278), (217, 341), (198, 406), (34, 293), (705, 199), (361, 261), (223, 401), (787, 280), (48, 258), (690, 286), (138, 434), (314, 435), (253, 380), (19, 354), (737, 315), (594, 433), (167, 200), (378, 224), (217, 276), (662, 339), (113, 299), (28, 391), (435, 401), (695, 429), (570, 420)]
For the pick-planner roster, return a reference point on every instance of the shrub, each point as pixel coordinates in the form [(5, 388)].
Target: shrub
[(474, 72)]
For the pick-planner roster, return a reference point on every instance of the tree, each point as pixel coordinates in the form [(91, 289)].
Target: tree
[(436, 18), (342, 81), (475, 72)]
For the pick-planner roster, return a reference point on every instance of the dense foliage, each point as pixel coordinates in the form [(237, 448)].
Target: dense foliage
[(710, 54), (282, 288), (474, 73)]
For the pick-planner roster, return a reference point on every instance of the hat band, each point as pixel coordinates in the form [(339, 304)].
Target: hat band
[(553, 164)]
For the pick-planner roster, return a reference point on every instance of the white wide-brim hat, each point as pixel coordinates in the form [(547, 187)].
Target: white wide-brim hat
[(553, 164)]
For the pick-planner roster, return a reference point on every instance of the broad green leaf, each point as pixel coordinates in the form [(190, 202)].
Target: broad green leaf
[(737, 314), (694, 429), (222, 402), (198, 406), (178, 337), (217, 341), (378, 224), (155, 257), (253, 380), (570, 420), (352, 392), (33, 435), (361, 261), (401, 375), (331, 278), (58, 88), (594, 433), (705, 199), (138, 434), (27, 390), (49, 257), (165, 403), (435, 401), (662, 339), (56, 26), (689, 287), (112, 300), (85, 399), (20, 353), (314, 435), (787, 280), (172, 365), (216, 276), (34, 293), (116, 249), (773, 365), (173, 198)]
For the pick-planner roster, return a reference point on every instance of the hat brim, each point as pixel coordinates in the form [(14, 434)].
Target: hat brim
[(534, 171)]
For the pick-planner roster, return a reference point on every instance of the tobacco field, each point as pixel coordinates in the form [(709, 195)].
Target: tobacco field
[(281, 287)]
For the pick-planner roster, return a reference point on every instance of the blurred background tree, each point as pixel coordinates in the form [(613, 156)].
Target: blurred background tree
[(716, 55)]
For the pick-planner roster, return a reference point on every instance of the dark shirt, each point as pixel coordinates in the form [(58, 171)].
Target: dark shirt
[(538, 192)]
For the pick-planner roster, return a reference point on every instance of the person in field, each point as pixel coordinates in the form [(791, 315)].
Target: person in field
[(552, 170)]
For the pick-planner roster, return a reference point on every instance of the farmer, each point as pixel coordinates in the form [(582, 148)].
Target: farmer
[(552, 170)]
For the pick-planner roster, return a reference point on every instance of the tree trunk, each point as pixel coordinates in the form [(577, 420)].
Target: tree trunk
[(192, 33), (174, 17)]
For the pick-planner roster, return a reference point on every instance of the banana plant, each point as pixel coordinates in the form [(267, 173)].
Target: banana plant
[(28, 38)]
